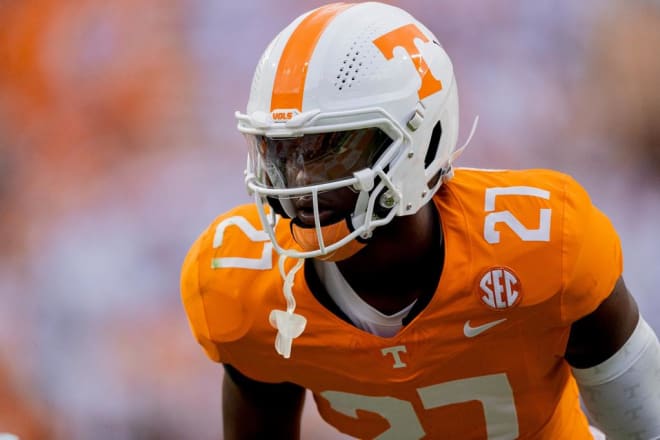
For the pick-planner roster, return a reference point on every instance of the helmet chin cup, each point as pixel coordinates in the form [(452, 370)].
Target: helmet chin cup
[(307, 239)]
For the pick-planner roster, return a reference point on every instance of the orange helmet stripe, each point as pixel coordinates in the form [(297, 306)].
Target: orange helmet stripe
[(289, 84)]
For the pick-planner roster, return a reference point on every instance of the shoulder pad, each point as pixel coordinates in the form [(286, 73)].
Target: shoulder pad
[(226, 276)]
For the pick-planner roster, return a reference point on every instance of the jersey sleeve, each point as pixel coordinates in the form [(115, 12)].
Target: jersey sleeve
[(592, 259), (193, 299), (214, 300)]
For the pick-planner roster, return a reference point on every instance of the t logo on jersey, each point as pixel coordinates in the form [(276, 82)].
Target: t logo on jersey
[(500, 288), (405, 37), (395, 352)]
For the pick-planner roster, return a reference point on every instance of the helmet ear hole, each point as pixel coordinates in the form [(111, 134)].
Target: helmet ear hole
[(434, 143), (431, 152)]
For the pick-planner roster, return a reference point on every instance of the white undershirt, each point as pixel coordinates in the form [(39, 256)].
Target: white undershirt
[(361, 314)]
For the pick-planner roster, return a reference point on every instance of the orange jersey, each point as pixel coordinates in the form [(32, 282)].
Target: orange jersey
[(526, 254)]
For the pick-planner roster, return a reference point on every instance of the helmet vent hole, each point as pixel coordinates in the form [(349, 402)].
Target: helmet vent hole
[(354, 64)]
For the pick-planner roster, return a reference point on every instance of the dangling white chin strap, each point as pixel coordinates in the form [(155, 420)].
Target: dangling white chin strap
[(457, 152), (289, 325)]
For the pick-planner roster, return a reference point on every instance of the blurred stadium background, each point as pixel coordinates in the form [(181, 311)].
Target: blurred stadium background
[(118, 146)]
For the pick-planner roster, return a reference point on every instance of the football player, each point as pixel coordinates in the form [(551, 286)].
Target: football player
[(414, 299)]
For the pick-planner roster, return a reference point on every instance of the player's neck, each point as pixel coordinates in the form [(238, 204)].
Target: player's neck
[(409, 247)]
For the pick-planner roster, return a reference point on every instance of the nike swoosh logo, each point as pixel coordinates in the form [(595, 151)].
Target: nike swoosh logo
[(471, 332)]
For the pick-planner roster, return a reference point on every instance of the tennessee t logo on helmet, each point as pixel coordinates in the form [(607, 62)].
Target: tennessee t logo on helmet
[(405, 37)]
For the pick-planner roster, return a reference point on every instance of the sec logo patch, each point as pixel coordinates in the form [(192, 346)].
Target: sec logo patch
[(500, 288)]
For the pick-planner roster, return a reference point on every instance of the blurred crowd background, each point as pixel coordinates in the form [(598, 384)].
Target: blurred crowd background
[(118, 146)]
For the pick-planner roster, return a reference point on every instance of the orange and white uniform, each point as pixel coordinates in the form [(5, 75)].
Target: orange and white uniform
[(526, 255)]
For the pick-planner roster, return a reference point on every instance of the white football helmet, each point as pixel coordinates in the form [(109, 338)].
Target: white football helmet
[(358, 96)]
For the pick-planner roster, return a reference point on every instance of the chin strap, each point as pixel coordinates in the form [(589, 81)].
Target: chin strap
[(457, 152), (460, 150), (307, 239), (289, 325)]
